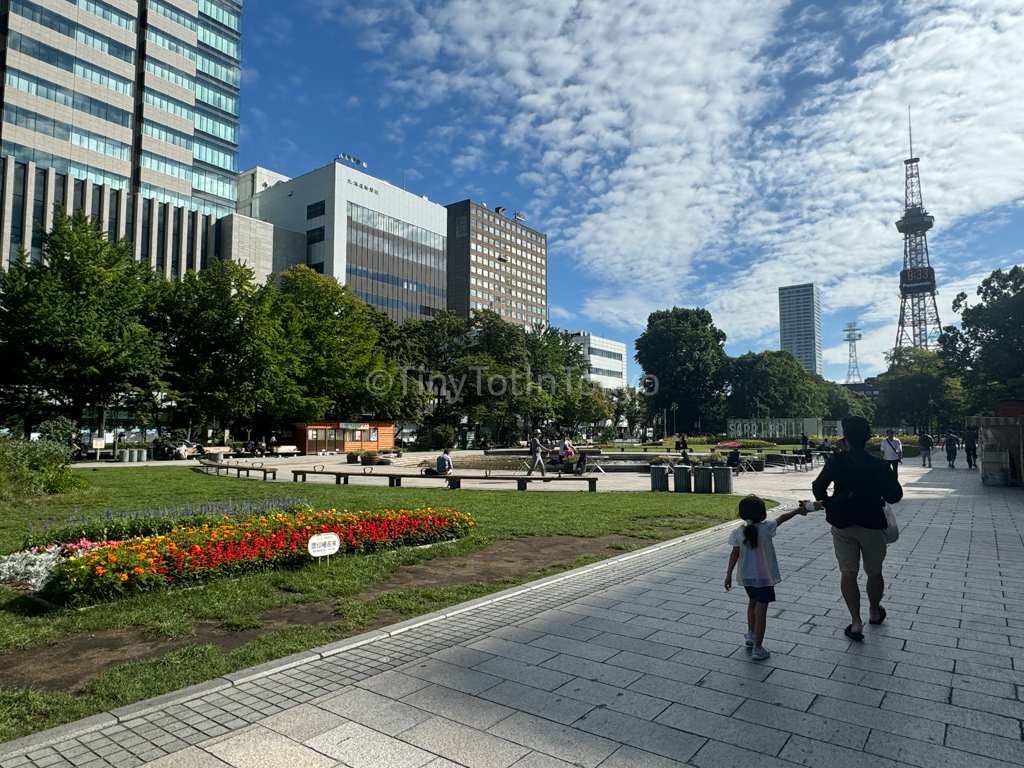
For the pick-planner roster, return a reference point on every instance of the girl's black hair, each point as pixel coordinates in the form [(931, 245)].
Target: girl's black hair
[(753, 510)]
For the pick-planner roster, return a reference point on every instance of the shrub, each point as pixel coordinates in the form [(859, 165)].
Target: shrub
[(35, 467), (58, 430), (155, 522), (193, 555)]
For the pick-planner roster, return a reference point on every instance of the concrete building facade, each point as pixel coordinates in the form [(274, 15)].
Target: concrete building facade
[(140, 97), (389, 245), (496, 262), (606, 359), (800, 324)]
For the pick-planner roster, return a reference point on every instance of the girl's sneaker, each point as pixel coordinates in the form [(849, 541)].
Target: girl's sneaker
[(760, 653), (748, 639)]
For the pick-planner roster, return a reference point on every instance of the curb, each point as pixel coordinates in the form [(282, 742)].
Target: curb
[(131, 711)]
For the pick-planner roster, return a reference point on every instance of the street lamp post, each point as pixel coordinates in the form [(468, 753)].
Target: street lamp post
[(674, 409)]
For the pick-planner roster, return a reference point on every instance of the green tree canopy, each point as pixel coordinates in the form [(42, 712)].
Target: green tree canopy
[(916, 389), (773, 384)]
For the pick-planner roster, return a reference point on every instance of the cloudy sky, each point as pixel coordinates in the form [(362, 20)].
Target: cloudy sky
[(676, 152)]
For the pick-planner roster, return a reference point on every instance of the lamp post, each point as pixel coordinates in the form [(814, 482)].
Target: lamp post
[(931, 404), (674, 409)]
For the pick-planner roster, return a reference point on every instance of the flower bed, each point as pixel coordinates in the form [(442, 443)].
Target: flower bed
[(191, 555)]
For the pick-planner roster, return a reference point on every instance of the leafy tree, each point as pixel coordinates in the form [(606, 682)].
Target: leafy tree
[(841, 402), (916, 388), (684, 350), (987, 351), (72, 324), (773, 384)]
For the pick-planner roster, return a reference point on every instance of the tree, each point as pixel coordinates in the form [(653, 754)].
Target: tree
[(773, 384), (987, 351), (72, 324), (916, 389), (684, 350), (841, 402)]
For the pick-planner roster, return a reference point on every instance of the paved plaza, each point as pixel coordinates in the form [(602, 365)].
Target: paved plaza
[(639, 662)]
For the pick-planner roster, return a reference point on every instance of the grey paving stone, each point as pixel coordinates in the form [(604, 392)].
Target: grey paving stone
[(684, 673), (392, 684), (769, 691), (302, 722), (833, 688), (560, 709), (1009, 750), (716, 754), (752, 736), (527, 654), (690, 695), (892, 683), (461, 656), (374, 711), (878, 719), (360, 747), (460, 707), (464, 745), (652, 737), (528, 674), (946, 713), (630, 757), (192, 757), (908, 751), (813, 727), (258, 747), (538, 760), (630, 702), (818, 754), (592, 670), (570, 647), (983, 703), (451, 676), (584, 749)]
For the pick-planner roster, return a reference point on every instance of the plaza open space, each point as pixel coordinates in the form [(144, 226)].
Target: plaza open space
[(639, 660)]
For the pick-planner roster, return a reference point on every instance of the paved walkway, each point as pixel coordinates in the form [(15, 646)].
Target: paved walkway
[(639, 662)]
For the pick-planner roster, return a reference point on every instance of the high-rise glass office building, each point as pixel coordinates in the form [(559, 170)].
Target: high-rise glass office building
[(135, 95), (800, 324)]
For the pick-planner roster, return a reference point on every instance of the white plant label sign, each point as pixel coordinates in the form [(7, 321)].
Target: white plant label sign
[(324, 544)]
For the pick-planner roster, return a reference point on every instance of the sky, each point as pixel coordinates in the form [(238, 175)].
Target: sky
[(694, 153)]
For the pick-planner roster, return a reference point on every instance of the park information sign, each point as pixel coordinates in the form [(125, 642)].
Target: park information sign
[(324, 544)]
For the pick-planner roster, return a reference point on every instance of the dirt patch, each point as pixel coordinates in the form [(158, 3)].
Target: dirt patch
[(70, 663)]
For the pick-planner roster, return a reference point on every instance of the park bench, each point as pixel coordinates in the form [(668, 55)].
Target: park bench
[(217, 466), (341, 477), (797, 462)]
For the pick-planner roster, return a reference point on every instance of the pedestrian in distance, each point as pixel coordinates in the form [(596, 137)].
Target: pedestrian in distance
[(537, 450), (754, 553), (951, 443), (925, 443), (892, 452), (862, 484), (971, 447), (444, 463)]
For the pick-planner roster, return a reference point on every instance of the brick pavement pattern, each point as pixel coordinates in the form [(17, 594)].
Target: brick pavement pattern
[(639, 662)]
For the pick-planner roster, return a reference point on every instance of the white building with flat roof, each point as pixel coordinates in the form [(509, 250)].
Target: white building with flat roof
[(800, 324), (384, 242), (606, 359)]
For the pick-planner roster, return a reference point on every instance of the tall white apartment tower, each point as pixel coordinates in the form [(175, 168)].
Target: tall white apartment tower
[(800, 324)]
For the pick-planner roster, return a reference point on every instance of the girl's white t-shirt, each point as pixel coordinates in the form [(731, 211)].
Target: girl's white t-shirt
[(757, 567)]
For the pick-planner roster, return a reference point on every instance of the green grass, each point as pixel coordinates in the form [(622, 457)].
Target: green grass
[(236, 604)]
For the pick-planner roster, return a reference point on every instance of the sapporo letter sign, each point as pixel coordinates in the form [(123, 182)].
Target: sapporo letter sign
[(324, 544)]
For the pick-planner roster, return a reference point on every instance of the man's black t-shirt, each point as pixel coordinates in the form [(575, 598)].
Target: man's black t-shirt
[(862, 484)]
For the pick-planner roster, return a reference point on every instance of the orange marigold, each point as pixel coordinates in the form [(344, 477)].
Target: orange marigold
[(124, 577), (100, 570)]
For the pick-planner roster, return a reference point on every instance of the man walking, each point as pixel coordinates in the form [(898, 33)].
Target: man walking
[(971, 447), (536, 454), (892, 452), (926, 444)]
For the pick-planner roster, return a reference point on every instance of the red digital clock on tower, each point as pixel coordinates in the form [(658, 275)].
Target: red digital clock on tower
[(917, 280)]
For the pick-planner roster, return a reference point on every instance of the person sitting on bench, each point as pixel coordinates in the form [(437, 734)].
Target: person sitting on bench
[(444, 463), (733, 460)]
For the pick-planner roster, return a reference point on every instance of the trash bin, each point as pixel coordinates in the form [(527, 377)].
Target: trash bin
[(723, 479), (143, 454), (682, 479), (133, 454), (702, 479), (659, 477), (122, 455), (217, 457)]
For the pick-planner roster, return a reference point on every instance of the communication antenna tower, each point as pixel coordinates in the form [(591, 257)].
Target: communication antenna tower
[(853, 335), (919, 310)]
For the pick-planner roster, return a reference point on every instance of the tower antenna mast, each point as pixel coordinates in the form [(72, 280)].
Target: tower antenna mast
[(853, 335), (919, 310)]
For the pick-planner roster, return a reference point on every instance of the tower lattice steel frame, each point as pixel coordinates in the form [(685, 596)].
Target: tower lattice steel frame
[(853, 335), (919, 311)]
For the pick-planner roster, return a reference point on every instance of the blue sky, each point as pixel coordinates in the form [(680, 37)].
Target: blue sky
[(676, 152)]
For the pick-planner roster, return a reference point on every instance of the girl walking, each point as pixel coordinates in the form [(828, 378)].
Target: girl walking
[(753, 551)]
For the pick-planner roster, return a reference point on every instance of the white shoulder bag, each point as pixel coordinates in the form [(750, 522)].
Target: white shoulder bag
[(892, 530)]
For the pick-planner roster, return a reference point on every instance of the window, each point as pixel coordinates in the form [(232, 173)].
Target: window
[(316, 209), (171, 43), (69, 98), (315, 236), (65, 26), (173, 14), (41, 52), (229, 19), (163, 133)]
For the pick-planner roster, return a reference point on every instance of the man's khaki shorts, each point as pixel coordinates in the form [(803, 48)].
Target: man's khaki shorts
[(853, 540)]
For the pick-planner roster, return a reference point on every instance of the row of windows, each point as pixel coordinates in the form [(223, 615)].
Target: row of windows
[(594, 351), (492, 298), (315, 235), (213, 183), (192, 203), (507, 224), (506, 289), (214, 155), (170, 74), (226, 73), (215, 126), (378, 242), (171, 43), (62, 165), (62, 131), (385, 303), (44, 53), (170, 135), (229, 19), (58, 94), (355, 270), (219, 42), (216, 98), (167, 104), (393, 226), (173, 14), (107, 12), (64, 26), (229, 74), (606, 372), (505, 312), (166, 165), (315, 209)]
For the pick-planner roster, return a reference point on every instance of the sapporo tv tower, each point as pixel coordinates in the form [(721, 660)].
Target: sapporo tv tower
[(919, 312)]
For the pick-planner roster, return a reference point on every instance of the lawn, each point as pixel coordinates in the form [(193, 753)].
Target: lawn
[(237, 603)]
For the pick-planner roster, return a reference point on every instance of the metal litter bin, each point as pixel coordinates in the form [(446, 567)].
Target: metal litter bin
[(122, 456), (133, 455), (702, 479), (682, 479), (659, 477), (217, 457), (723, 479), (143, 455)]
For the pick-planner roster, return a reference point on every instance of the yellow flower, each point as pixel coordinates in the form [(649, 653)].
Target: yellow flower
[(124, 577)]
